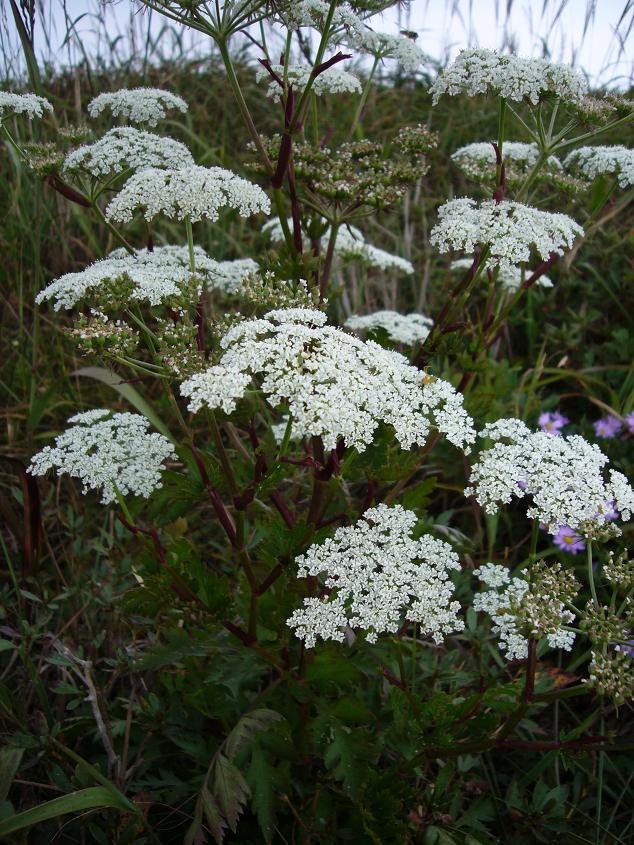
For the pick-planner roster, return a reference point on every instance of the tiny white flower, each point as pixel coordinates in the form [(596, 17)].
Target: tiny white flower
[(377, 575), (110, 452), (138, 105), (333, 80), (125, 148), (596, 161), (511, 230), (190, 192), (334, 385), (482, 71), (31, 105), (407, 329)]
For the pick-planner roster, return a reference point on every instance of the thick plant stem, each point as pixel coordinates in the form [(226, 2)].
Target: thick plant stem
[(330, 253)]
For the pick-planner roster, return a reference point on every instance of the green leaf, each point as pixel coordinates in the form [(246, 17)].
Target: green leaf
[(261, 777), (347, 757), (213, 816), (10, 758), (128, 392), (250, 724), (230, 790), (84, 799)]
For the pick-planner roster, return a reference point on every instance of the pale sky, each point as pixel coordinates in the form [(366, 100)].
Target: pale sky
[(443, 26)]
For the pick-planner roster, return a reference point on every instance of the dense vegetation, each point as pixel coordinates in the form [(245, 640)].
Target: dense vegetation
[(128, 662)]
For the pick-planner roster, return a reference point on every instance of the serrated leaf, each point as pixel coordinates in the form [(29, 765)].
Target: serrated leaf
[(261, 777), (230, 790), (347, 757), (213, 815), (249, 725)]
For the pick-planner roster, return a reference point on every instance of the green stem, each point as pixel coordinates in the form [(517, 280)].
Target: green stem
[(590, 572), (364, 97), (242, 106), (112, 229), (190, 244)]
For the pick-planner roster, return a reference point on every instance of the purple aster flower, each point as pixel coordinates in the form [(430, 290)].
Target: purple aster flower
[(607, 427), (552, 422), (609, 512), (626, 647), (568, 540), (629, 422)]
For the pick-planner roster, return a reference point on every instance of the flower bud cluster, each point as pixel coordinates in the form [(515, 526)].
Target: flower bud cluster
[(533, 606)]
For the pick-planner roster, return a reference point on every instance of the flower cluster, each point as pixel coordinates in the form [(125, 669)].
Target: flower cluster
[(335, 385), (619, 571), (138, 105), (230, 276), (596, 161), (29, 104), (357, 172), (611, 673), (531, 606), (510, 278), (383, 45), (563, 476), (190, 193), (125, 148), (155, 276), (333, 80), (350, 244), (478, 160), (112, 452), (509, 229), (407, 329), (482, 71), (376, 575)]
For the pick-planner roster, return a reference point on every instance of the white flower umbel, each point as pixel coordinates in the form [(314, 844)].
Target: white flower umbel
[(153, 277), (510, 230), (191, 192), (511, 598), (509, 277), (138, 105), (407, 329), (482, 71), (107, 451), (562, 477), (596, 161), (383, 45), (125, 148), (334, 80), (474, 159), (30, 105), (377, 575), (333, 384), (229, 276), (350, 244)]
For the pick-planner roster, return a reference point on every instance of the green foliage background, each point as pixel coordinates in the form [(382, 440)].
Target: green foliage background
[(205, 730)]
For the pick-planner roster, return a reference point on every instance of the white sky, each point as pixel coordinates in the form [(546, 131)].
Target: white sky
[(443, 26)]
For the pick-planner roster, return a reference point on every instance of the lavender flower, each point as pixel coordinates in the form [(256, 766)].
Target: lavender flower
[(551, 422), (569, 541), (607, 427), (628, 419)]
